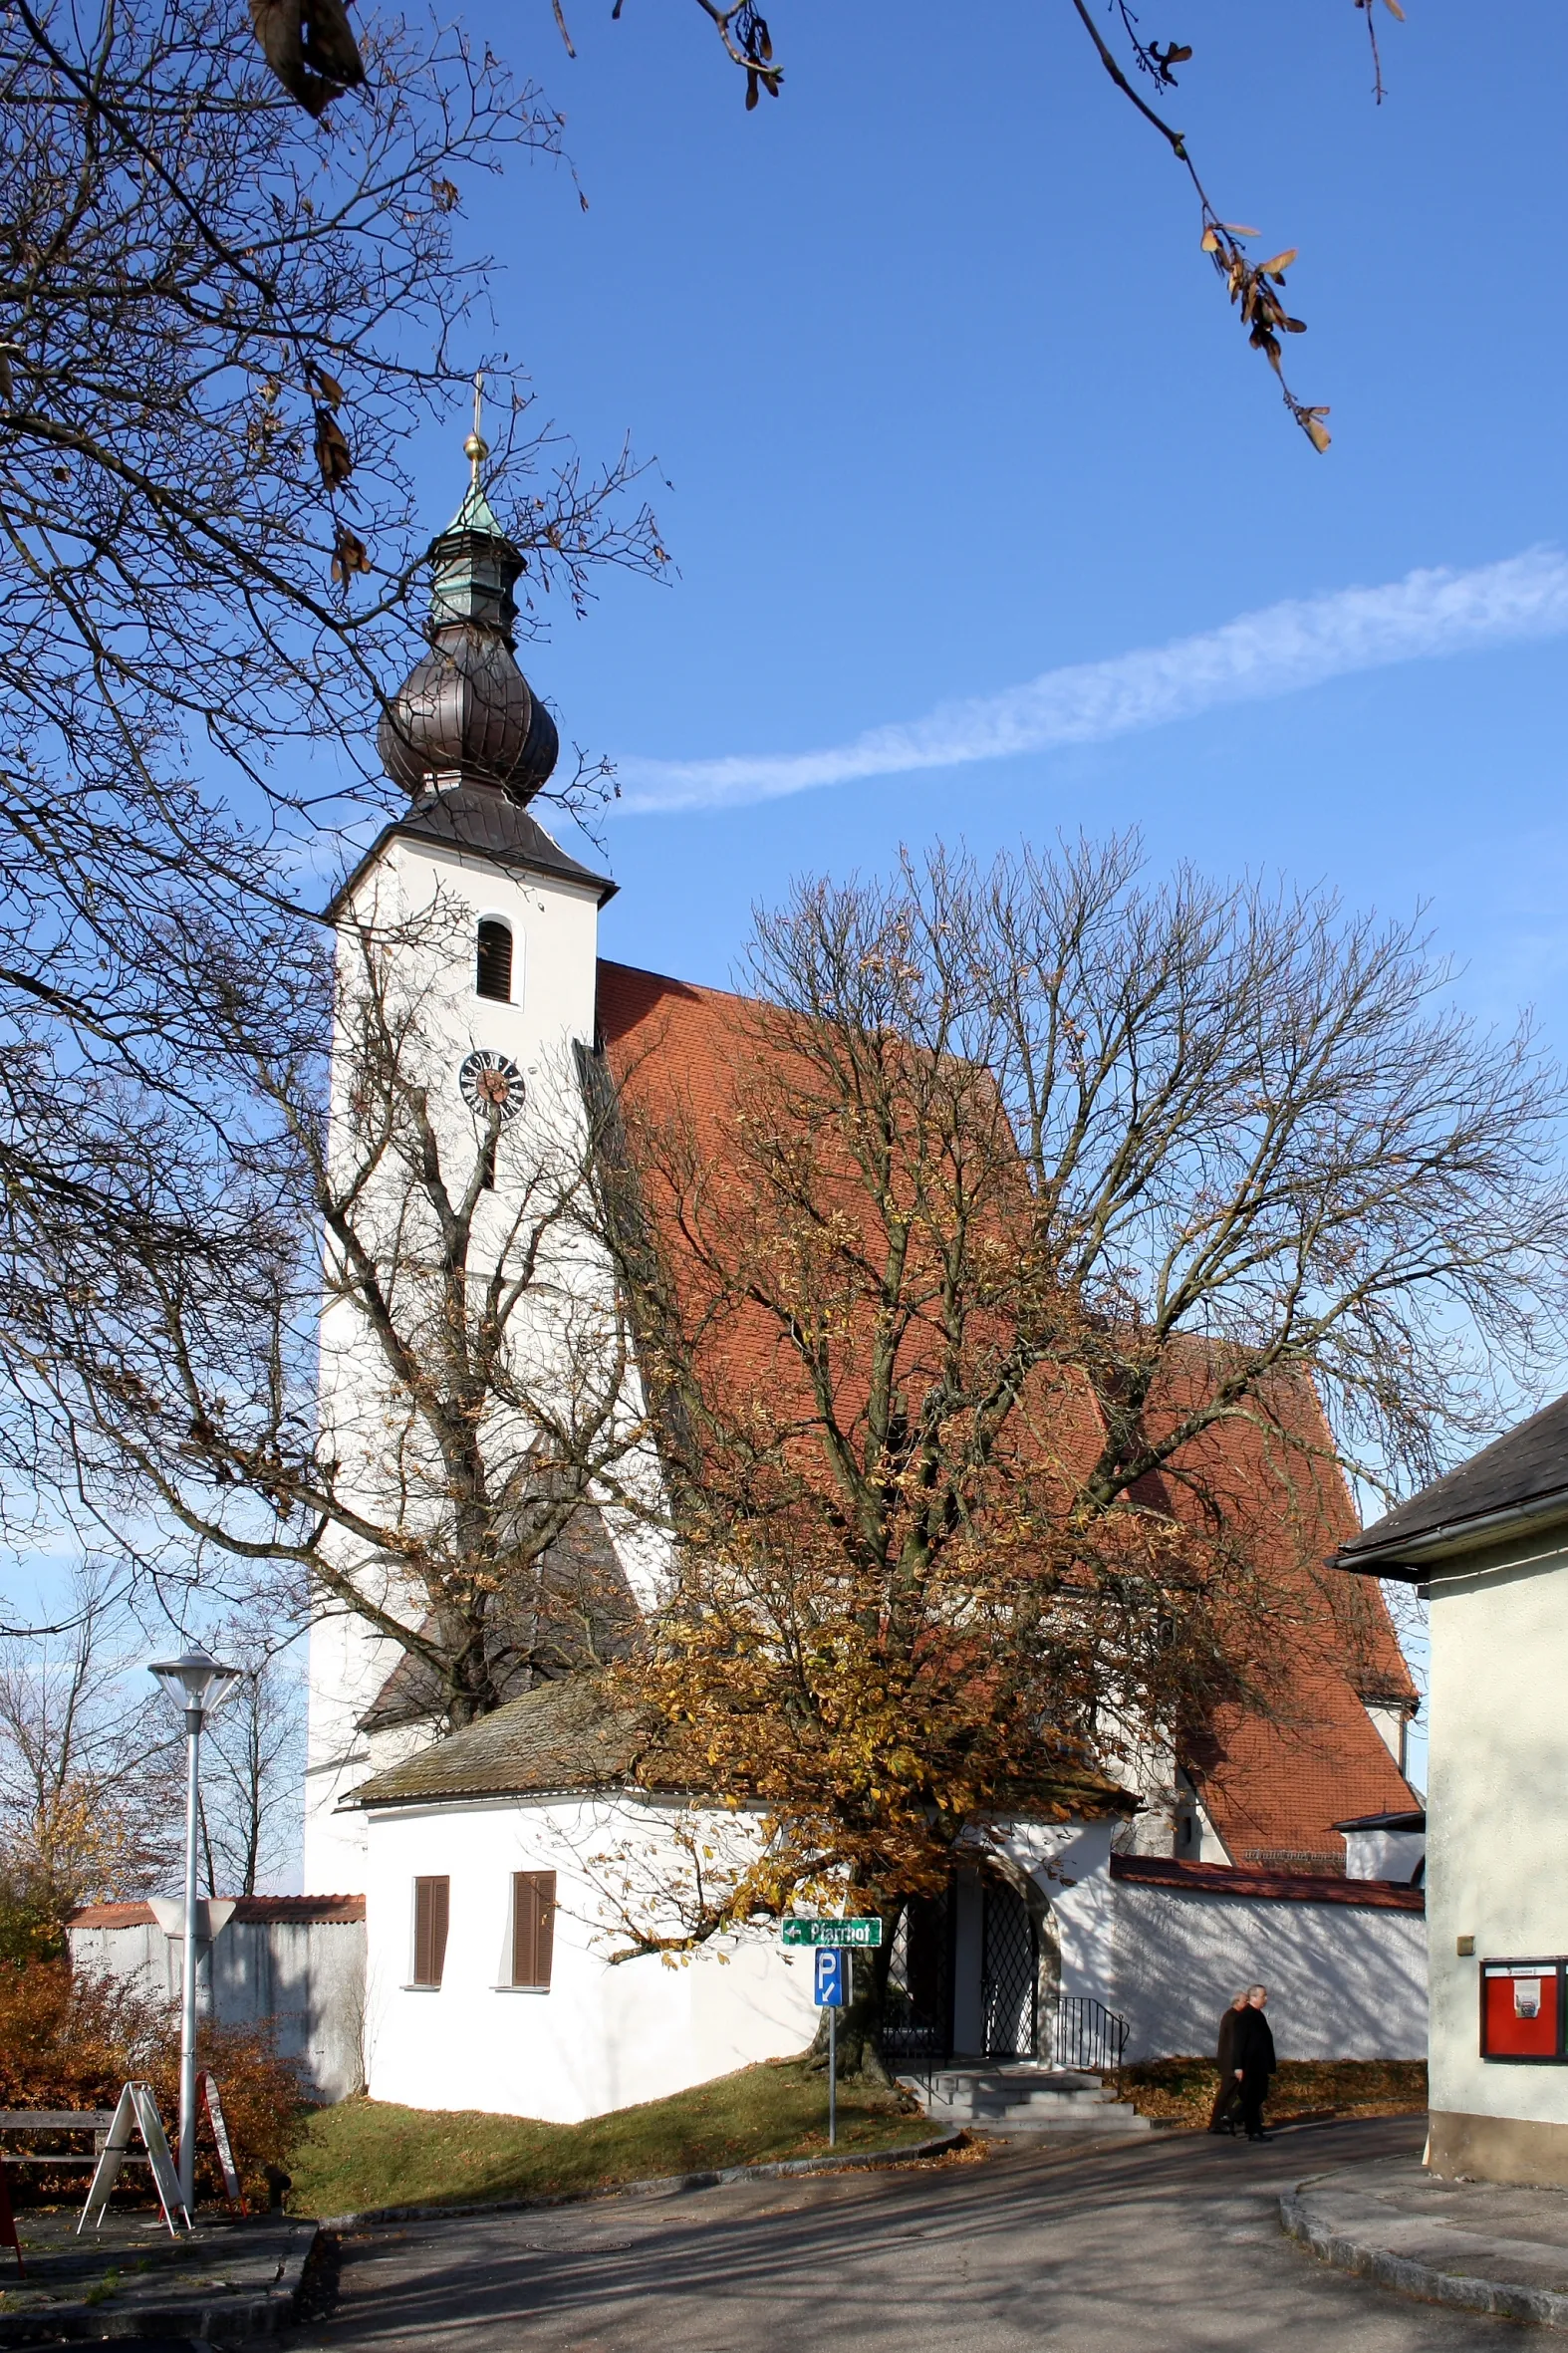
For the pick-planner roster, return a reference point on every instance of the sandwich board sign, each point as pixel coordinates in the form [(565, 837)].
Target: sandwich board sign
[(136, 2112), (207, 2085)]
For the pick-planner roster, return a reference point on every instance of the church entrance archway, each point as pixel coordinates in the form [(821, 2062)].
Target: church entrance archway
[(975, 1973), (917, 2028), (1009, 1972)]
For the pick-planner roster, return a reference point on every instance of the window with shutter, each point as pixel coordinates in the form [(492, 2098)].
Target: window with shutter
[(533, 1927), (432, 1907), (493, 976)]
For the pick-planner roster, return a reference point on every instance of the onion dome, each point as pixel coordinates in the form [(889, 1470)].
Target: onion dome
[(465, 713)]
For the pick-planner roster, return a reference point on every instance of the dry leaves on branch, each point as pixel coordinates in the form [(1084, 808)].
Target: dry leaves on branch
[(310, 47), (1255, 287), (333, 454)]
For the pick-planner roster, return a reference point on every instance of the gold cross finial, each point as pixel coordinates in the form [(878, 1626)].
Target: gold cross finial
[(476, 448)]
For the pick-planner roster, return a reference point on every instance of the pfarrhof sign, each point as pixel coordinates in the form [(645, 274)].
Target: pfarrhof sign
[(859, 1932)]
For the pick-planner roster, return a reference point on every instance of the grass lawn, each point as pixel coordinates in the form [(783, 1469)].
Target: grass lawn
[(1182, 2091), (369, 2153)]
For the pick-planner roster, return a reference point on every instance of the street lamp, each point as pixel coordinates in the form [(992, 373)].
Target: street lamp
[(198, 1687)]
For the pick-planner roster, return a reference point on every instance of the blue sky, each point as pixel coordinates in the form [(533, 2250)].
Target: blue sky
[(943, 398)]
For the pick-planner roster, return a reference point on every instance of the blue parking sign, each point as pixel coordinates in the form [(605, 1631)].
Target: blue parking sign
[(831, 1977)]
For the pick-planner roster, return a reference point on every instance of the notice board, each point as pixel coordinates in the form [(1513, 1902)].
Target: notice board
[(1523, 2010)]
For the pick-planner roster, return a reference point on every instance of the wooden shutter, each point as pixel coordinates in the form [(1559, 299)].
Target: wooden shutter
[(493, 964), (432, 1909), (533, 1927)]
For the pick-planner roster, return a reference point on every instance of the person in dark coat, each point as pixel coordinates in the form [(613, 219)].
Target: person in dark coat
[(1228, 2096), (1255, 2061)]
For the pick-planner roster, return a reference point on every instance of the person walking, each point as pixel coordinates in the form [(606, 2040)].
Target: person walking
[(1254, 2061), (1228, 2096)]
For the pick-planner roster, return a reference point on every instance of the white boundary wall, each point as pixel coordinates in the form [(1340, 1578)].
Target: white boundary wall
[(303, 1979), (1345, 1980)]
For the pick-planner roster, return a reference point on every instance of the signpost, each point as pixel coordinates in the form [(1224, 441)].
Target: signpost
[(832, 1976), (830, 1943), (863, 1935)]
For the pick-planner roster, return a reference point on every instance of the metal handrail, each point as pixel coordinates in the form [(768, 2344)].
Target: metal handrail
[(1087, 2036)]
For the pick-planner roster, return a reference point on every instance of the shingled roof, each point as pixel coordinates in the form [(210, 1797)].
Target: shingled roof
[(1521, 1476), (487, 825), (566, 1738), (559, 1736), (1269, 1786)]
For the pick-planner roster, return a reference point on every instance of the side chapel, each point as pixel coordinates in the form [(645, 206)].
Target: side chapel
[(485, 1856)]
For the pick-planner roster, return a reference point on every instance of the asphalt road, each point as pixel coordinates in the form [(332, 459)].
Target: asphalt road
[(1169, 2246)]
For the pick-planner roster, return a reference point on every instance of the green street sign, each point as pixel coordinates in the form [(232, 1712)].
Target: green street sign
[(832, 1932)]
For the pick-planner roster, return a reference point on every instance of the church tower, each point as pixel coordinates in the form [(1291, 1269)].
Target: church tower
[(492, 927)]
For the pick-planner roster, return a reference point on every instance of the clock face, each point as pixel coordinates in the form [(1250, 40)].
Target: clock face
[(489, 1083)]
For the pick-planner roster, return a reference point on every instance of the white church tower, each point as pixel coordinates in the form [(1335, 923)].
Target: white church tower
[(500, 929)]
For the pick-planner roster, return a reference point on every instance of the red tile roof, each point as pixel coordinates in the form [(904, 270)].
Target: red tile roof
[(1278, 1887), (302, 1911), (1269, 1787)]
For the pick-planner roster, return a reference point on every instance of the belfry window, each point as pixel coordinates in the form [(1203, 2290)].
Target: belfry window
[(493, 977)]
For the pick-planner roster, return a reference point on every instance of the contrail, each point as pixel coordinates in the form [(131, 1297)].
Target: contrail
[(1297, 643)]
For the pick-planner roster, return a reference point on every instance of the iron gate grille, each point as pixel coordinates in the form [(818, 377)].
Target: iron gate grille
[(1010, 1976), (917, 2028)]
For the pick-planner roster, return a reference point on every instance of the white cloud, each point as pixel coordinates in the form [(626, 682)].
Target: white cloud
[(1285, 646)]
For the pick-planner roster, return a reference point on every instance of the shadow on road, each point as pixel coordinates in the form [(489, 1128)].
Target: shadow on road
[(1169, 2244)]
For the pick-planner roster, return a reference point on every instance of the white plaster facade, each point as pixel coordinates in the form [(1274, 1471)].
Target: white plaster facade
[(610, 2033), (1497, 1827), (1488, 1545), (605, 2035), (414, 886), (1346, 1981), (1385, 1854)]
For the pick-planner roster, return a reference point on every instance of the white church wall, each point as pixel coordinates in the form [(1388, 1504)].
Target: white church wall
[(1345, 1980), (605, 2034), (1384, 1854), (1070, 1864), (554, 927), (301, 1979)]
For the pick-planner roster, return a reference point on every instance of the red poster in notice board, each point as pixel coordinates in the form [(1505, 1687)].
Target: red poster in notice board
[(1521, 2009)]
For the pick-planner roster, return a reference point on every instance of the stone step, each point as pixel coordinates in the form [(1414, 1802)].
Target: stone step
[(985, 2102), (1019, 2076), (1023, 2096), (1119, 2122)]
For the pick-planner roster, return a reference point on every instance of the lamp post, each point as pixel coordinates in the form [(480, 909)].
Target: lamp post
[(198, 1686)]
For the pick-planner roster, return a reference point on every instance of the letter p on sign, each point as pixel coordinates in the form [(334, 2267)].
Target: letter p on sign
[(831, 1976)]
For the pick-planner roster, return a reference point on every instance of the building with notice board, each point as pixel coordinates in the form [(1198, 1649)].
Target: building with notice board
[(1488, 1546)]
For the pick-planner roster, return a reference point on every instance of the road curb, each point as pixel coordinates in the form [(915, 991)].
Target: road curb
[(205, 2315), (1466, 2291), (711, 2178)]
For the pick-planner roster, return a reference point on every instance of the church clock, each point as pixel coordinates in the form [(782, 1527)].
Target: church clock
[(491, 1082)]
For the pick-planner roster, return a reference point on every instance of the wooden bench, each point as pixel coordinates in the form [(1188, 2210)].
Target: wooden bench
[(96, 2121)]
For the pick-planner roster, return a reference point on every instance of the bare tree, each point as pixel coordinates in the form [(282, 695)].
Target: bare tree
[(442, 1445), (221, 326), (222, 323), (86, 1812), (253, 1763), (1060, 1243)]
